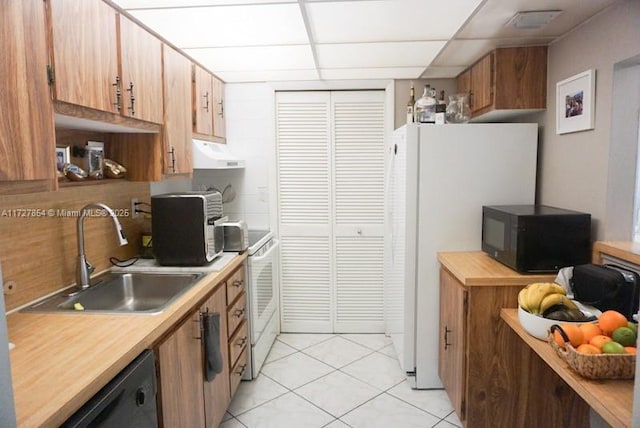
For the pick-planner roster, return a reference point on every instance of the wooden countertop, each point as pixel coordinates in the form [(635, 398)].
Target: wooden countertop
[(476, 268), (625, 250), (612, 399), (62, 360)]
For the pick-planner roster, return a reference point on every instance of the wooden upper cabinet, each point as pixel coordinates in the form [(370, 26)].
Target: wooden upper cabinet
[(141, 72), (521, 78), (177, 130), (482, 84), (464, 82), (219, 129), (26, 122), (203, 102), (507, 81), (84, 51)]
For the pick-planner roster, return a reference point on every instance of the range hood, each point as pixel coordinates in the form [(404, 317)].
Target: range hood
[(208, 155)]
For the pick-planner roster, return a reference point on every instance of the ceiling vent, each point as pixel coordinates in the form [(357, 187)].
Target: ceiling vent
[(532, 20)]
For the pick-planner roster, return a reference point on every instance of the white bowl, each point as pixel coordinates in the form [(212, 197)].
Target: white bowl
[(538, 326)]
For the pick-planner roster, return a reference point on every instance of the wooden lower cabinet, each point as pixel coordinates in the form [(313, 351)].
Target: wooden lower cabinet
[(487, 371), (186, 399), (452, 361)]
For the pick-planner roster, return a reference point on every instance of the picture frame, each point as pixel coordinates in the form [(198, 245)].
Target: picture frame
[(575, 103), (63, 156)]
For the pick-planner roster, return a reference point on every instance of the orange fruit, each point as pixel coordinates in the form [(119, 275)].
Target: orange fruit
[(575, 335), (586, 348), (630, 349), (610, 320), (589, 330), (599, 340)]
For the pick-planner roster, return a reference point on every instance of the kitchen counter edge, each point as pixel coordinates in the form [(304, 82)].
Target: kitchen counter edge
[(476, 268), (54, 373)]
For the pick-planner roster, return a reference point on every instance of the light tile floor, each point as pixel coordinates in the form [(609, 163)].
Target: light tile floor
[(332, 381)]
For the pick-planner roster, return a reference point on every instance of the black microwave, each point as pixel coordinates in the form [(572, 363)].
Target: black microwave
[(536, 238)]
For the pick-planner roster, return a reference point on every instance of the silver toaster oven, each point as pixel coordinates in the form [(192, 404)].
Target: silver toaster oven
[(186, 228), (236, 236)]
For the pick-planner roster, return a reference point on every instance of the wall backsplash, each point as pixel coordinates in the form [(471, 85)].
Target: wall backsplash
[(39, 248)]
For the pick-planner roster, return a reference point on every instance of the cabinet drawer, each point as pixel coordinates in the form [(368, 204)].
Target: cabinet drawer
[(235, 285), (237, 313), (237, 372), (237, 342)]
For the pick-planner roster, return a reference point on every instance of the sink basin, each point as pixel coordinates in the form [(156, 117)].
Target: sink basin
[(121, 293)]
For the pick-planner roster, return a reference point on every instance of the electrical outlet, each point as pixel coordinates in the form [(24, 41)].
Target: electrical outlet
[(134, 201)]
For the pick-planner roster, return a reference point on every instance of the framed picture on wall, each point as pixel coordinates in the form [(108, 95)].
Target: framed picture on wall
[(575, 103)]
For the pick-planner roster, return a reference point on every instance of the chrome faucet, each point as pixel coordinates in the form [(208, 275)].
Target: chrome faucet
[(84, 268)]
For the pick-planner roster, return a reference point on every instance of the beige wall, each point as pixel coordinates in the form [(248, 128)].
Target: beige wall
[(574, 168)]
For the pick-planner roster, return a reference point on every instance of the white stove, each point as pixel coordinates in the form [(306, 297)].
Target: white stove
[(262, 297)]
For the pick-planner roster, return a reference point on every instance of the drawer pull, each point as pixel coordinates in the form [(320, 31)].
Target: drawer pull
[(239, 313), (241, 342), (238, 283), (241, 370), (446, 339)]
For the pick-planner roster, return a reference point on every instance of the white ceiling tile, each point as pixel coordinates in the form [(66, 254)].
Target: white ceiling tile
[(385, 20), (490, 20), (371, 73), (366, 55), (267, 76), (460, 53), (254, 58), (442, 72), (154, 4), (256, 25)]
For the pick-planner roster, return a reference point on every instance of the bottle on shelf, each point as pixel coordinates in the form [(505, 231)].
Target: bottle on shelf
[(425, 107), (411, 104)]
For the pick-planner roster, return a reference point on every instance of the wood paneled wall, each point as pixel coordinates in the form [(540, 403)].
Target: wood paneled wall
[(38, 252)]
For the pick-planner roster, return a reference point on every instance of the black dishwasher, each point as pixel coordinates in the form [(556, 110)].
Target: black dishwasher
[(128, 400)]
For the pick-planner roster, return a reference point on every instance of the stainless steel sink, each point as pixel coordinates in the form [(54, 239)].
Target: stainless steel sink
[(148, 293)]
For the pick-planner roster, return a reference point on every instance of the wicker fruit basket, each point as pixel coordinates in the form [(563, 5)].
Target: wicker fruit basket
[(598, 366)]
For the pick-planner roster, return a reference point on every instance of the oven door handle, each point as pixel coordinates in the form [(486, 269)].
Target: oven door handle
[(258, 259)]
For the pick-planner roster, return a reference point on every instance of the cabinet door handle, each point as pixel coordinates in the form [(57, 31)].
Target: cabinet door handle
[(446, 338), (206, 101), (239, 312), (238, 283), (221, 103), (172, 153), (118, 102), (241, 342), (241, 370), (132, 98)]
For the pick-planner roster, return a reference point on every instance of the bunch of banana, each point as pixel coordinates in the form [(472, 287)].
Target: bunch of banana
[(539, 297)]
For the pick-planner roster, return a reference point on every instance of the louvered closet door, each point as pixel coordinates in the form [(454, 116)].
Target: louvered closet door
[(331, 210), (358, 220), (304, 204)]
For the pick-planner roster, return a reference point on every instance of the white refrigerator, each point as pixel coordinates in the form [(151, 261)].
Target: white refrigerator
[(439, 177)]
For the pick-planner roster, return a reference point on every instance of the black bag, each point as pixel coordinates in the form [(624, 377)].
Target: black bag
[(606, 287)]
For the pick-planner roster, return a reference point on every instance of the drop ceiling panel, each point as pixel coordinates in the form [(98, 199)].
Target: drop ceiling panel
[(371, 73), (442, 72), (365, 55), (256, 25), (254, 58), (490, 21), (267, 75), (384, 20), (154, 4)]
